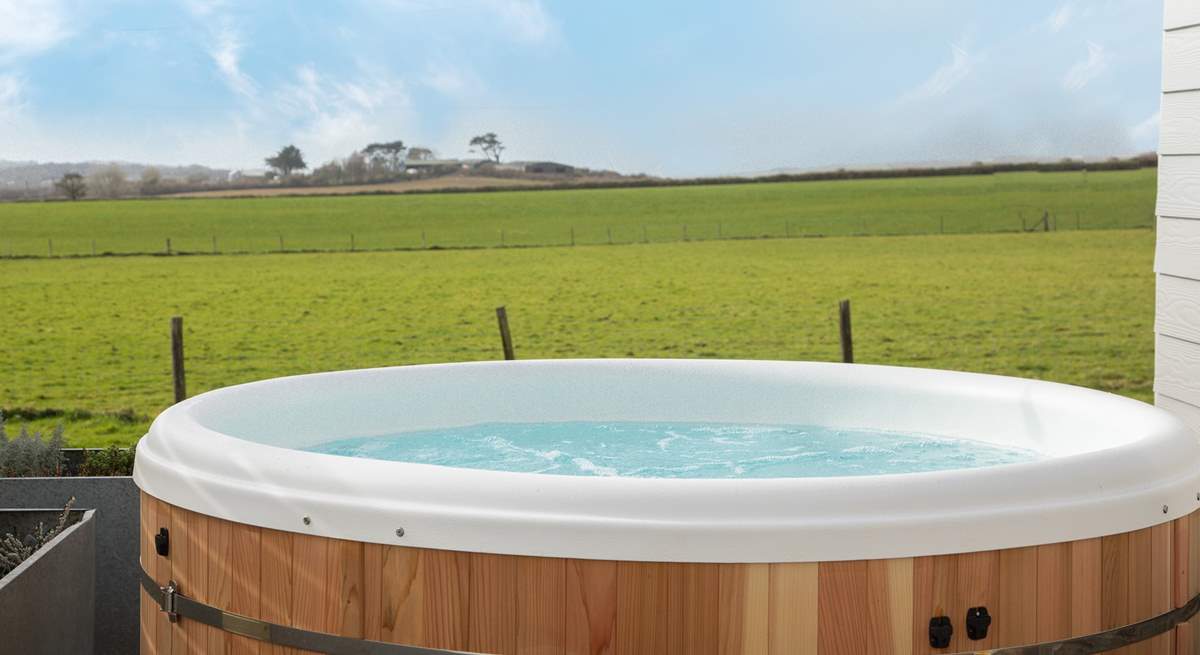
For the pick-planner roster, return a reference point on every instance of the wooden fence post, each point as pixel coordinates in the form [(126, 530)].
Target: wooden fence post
[(214, 240), (50, 243), (351, 242), (422, 239), (168, 245), (572, 235), (847, 338), (505, 335), (610, 236), (281, 243), (93, 247), (177, 358)]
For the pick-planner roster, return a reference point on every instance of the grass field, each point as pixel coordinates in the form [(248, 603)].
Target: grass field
[(92, 334), (969, 204)]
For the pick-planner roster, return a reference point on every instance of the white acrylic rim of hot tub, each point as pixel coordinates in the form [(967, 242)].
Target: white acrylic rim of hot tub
[(1116, 464)]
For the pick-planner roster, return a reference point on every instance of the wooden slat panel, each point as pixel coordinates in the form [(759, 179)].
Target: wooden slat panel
[(1086, 575), (275, 579), (373, 591), (1114, 582), (246, 548), (1181, 550), (493, 604), (163, 629), (935, 593), (642, 613), (1181, 60), (1178, 308), (344, 589), (402, 599), (220, 577), (147, 643), (1141, 583), (745, 594), (693, 603), (200, 559), (1180, 132), (841, 608), (446, 576), (1054, 592), (1180, 13), (978, 586), (1178, 249), (310, 561), (190, 571), (1179, 187), (1161, 541), (793, 607), (889, 607), (591, 608), (541, 605), (1177, 369), (1016, 612)]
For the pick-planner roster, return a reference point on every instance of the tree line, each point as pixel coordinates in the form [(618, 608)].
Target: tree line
[(376, 162)]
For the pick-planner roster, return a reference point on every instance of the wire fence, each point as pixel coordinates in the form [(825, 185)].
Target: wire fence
[(441, 238)]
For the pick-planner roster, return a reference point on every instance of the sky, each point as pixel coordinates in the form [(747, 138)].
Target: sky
[(673, 88)]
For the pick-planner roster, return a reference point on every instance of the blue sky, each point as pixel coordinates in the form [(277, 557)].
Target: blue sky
[(667, 88)]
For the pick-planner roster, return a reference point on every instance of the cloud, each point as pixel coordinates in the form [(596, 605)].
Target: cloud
[(226, 50), (451, 80), (523, 21), (526, 20), (1145, 133), (11, 100), (946, 77), (1083, 72), (204, 7), (1058, 20), (28, 27), (334, 116)]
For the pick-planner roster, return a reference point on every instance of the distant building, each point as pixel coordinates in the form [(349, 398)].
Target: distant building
[(250, 176), (427, 165), (545, 167)]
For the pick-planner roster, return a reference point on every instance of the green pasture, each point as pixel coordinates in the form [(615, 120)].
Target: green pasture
[(956, 205), (86, 341)]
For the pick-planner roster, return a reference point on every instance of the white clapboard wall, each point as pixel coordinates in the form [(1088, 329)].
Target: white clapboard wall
[(1177, 260)]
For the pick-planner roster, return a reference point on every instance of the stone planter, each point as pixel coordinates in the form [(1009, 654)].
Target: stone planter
[(47, 603), (115, 501)]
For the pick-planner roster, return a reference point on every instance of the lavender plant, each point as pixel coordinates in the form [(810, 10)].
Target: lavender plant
[(28, 454), (14, 549)]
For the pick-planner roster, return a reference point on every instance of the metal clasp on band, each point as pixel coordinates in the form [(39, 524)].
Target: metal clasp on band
[(170, 594)]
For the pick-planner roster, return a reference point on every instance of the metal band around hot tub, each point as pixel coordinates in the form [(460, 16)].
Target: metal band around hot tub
[(177, 606)]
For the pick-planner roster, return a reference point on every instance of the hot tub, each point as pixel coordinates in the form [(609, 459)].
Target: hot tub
[(1094, 534)]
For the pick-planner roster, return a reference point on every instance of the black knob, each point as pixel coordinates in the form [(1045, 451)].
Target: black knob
[(977, 623), (162, 542), (940, 630)]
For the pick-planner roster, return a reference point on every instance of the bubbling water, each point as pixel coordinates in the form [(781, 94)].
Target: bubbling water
[(678, 450)]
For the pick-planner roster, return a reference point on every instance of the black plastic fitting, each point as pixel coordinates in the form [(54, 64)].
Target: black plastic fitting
[(940, 631), (978, 621)]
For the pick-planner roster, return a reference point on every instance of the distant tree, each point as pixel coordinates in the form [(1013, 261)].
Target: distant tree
[(490, 145), (391, 152), (329, 173), (150, 180), (108, 182), (419, 154), (356, 167), (196, 179), (72, 186), (287, 160)]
